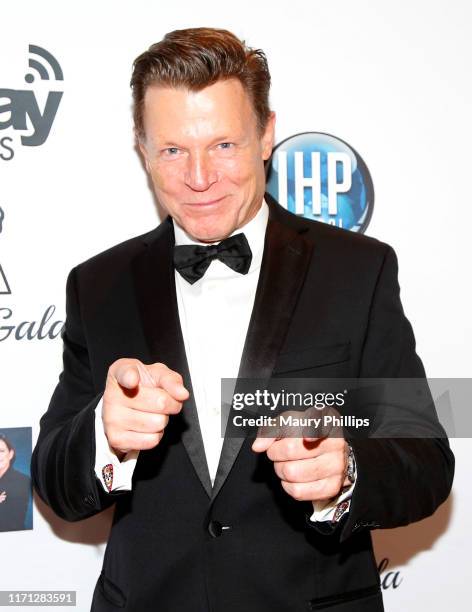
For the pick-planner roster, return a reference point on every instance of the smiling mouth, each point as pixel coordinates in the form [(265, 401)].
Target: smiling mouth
[(207, 203)]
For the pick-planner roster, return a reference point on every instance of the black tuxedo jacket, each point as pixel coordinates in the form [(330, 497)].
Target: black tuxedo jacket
[(327, 305)]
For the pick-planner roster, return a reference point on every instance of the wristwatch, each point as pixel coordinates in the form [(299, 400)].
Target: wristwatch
[(351, 466)]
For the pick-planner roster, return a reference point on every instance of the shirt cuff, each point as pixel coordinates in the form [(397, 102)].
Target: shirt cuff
[(114, 475), (333, 509)]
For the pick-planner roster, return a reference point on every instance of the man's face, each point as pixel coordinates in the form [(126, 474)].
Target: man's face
[(6, 456), (206, 156)]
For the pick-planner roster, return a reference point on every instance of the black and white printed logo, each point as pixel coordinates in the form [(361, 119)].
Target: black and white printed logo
[(24, 114), (4, 286), (47, 328)]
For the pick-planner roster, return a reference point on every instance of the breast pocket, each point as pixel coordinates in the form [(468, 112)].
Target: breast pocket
[(315, 358)]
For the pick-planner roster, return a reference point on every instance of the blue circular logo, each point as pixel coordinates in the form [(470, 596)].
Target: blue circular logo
[(321, 177)]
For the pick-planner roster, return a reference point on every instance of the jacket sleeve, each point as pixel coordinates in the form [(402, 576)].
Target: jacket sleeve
[(62, 464), (400, 480)]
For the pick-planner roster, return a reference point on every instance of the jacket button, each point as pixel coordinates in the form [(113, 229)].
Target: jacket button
[(215, 529)]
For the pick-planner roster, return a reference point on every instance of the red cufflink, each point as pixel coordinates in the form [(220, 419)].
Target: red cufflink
[(107, 473), (340, 510)]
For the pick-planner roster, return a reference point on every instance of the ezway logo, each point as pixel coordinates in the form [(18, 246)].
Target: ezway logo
[(321, 177), (20, 110)]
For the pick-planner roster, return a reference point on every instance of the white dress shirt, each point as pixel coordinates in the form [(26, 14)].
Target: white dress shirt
[(214, 316)]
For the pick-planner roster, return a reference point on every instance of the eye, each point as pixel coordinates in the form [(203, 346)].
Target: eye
[(170, 152), (225, 145)]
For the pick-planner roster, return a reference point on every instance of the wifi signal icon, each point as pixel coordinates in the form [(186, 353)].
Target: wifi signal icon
[(41, 69)]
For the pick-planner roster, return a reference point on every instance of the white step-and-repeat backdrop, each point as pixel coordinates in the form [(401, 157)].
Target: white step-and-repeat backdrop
[(391, 79)]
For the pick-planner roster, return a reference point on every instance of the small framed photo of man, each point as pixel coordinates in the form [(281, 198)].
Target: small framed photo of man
[(16, 511)]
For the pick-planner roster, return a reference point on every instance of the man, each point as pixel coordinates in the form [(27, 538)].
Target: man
[(15, 489), (228, 284)]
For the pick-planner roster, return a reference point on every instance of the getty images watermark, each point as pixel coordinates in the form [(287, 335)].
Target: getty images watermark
[(293, 412), (354, 407)]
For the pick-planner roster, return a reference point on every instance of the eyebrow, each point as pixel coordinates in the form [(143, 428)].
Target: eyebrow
[(170, 143)]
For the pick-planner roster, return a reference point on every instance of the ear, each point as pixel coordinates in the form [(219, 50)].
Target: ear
[(144, 153), (268, 137)]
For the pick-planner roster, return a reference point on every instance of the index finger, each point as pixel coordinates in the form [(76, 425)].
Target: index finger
[(268, 434), (170, 381), (261, 445)]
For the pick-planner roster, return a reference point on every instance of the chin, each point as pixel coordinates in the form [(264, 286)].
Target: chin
[(207, 230), (209, 235)]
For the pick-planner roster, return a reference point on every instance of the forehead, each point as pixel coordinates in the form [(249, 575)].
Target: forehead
[(179, 111)]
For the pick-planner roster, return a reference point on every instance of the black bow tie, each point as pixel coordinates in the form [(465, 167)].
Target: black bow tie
[(192, 260)]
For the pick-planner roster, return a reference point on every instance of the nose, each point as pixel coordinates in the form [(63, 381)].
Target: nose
[(200, 173)]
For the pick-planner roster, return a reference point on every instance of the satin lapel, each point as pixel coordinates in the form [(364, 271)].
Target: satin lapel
[(287, 255), (154, 280)]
